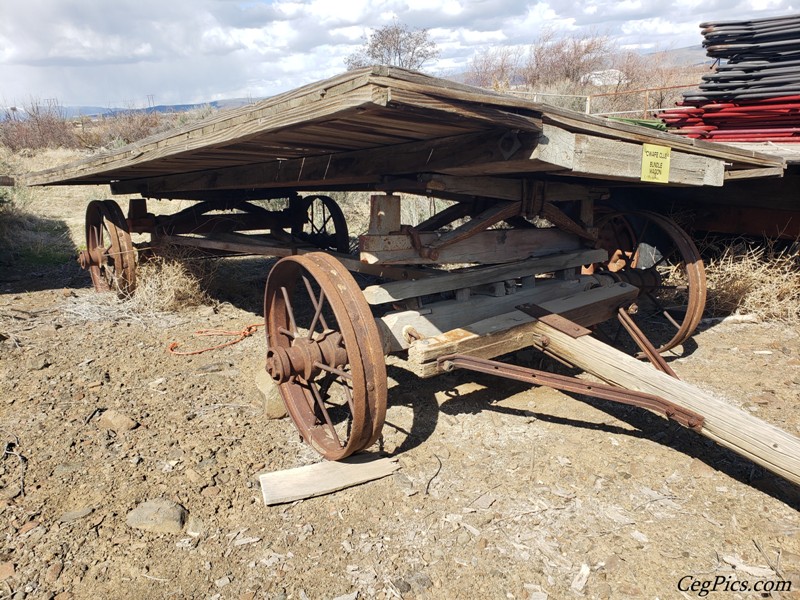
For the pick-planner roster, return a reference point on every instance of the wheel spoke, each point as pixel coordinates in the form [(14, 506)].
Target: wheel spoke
[(326, 416), (317, 304), (286, 332), (663, 310), (333, 370), (289, 310)]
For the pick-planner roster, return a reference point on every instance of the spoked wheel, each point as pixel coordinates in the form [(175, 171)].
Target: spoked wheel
[(325, 352), (109, 256), (324, 226), (653, 253)]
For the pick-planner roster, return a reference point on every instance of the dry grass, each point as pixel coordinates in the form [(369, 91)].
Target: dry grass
[(166, 285), (170, 283), (759, 279)]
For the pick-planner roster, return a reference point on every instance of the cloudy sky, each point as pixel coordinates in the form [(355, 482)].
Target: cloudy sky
[(119, 52)]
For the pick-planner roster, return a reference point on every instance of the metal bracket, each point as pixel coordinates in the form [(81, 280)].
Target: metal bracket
[(684, 416), (554, 320)]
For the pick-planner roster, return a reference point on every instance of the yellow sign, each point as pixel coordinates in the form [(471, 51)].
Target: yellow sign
[(655, 163)]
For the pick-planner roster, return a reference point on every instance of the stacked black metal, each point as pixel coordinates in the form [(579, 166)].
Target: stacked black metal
[(755, 94)]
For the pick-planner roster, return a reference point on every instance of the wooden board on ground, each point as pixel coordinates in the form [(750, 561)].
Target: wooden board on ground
[(323, 478)]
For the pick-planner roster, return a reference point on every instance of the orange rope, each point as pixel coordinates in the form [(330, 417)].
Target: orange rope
[(244, 333)]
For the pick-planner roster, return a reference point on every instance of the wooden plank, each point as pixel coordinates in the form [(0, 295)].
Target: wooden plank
[(512, 331), (754, 173), (763, 443), (614, 160), (436, 318), (6, 181), (493, 246), (465, 278), (279, 487)]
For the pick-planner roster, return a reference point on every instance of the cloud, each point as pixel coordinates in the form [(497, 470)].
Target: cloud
[(95, 51)]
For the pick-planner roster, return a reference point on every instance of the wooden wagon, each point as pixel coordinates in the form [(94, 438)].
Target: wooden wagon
[(526, 249)]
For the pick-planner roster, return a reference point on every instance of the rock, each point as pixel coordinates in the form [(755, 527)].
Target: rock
[(53, 572), (6, 570), (64, 596), (194, 527), (274, 408), (700, 469), (38, 363), (222, 581), (74, 515), (419, 581), (402, 586), (116, 421), (158, 516)]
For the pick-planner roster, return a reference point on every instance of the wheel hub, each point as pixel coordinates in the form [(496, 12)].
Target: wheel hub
[(305, 358)]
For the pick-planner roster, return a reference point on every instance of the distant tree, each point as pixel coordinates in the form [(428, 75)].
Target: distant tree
[(495, 68), (397, 45)]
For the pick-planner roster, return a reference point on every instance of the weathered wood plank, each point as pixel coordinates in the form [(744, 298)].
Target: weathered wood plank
[(614, 160), (322, 478), (512, 331), (465, 278), (493, 246)]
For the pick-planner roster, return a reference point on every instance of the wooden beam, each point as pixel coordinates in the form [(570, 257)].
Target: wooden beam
[(763, 443), (399, 328), (602, 158), (754, 173), (513, 331), (493, 246), (384, 214), (465, 278)]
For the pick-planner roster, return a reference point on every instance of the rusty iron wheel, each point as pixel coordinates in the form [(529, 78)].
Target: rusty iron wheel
[(109, 257), (324, 225), (652, 252), (325, 353)]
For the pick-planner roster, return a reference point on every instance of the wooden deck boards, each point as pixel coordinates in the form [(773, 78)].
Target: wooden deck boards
[(380, 109)]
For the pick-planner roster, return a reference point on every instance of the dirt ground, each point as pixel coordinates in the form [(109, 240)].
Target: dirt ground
[(503, 492)]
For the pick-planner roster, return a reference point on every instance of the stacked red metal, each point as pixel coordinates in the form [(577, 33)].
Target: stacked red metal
[(752, 97)]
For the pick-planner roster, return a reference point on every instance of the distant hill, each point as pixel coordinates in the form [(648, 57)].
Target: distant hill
[(98, 111), (690, 55)]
